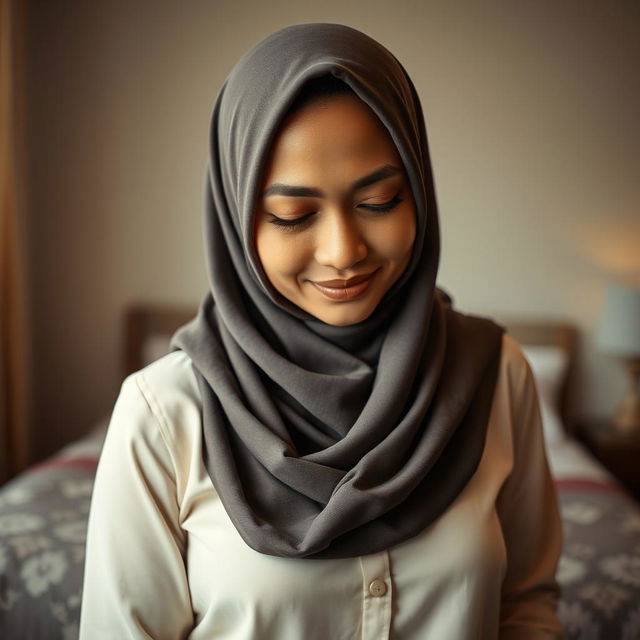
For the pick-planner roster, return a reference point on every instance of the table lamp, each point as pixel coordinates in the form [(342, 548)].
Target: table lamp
[(619, 335)]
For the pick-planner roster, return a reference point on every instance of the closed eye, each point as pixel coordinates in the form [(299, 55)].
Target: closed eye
[(384, 206), (298, 223), (288, 224)]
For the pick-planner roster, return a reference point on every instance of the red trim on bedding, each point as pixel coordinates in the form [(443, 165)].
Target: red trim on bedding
[(85, 462), (587, 484)]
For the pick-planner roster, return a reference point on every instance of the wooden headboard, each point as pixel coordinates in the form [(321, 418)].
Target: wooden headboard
[(143, 321)]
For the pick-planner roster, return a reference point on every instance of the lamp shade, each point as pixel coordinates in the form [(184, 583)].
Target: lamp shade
[(619, 331)]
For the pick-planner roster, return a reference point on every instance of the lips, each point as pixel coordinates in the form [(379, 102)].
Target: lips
[(337, 284), (342, 290)]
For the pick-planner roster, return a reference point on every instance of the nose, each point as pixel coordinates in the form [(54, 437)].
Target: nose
[(340, 243)]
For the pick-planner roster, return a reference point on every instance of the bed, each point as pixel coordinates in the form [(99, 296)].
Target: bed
[(43, 511)]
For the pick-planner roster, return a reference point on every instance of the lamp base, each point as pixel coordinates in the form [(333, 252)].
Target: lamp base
[(627, 418)]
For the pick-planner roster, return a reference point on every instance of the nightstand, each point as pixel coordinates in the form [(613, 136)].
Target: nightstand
[(619, 454)]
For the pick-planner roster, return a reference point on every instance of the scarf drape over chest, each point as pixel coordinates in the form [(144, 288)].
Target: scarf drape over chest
[(330, 441)]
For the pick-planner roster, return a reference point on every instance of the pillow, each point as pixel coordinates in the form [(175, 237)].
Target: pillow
[(549, 365)]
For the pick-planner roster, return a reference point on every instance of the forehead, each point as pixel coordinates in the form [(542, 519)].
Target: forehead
[(337, 129)]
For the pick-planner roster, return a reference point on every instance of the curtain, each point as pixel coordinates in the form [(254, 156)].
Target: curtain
[(14, 437)]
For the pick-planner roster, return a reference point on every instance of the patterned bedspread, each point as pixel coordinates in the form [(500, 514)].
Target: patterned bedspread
[(600, 565), (43, 528), (43, 518)]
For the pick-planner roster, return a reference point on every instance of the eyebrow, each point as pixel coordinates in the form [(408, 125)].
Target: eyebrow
[(279, 189)]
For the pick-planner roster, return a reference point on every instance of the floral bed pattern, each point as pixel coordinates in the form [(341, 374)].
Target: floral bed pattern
[(43, 521), (600, 564)]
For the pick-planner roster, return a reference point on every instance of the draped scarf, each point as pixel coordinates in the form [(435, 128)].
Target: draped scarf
[(328, 441)]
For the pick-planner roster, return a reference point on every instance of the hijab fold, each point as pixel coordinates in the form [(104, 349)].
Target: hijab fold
[(330, 441)]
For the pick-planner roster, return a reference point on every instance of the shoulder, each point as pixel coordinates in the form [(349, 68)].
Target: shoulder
[(155, 427), (514, 366), (515, 386), (164, 397), (169, 380)]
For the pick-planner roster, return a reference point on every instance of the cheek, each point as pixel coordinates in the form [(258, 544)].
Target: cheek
[(281, 255), (394, 237)]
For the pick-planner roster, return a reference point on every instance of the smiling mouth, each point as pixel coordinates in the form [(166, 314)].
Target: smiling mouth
[(345, 289)]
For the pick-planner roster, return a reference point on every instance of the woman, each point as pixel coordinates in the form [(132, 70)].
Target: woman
[(330, 450)]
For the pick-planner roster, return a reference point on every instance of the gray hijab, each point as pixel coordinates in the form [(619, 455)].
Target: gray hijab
[(330, 441)]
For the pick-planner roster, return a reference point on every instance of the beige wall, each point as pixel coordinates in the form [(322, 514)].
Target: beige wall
[(532, 112)]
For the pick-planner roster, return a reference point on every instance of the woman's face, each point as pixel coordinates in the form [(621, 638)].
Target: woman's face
[(335, 206)]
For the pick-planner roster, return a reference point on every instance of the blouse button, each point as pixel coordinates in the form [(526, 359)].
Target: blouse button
[(377, 588)]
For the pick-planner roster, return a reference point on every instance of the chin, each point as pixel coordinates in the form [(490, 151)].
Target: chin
[(343, 318)]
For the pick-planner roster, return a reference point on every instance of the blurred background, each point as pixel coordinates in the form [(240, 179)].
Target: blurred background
[(533, 117)]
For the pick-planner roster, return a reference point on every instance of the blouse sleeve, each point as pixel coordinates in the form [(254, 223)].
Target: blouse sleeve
[(530, 518), (135, 582)]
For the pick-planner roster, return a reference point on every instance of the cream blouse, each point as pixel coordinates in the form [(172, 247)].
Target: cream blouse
[(164, 560)]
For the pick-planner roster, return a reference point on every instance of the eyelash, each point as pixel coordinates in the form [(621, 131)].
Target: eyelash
[(290, 225)]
